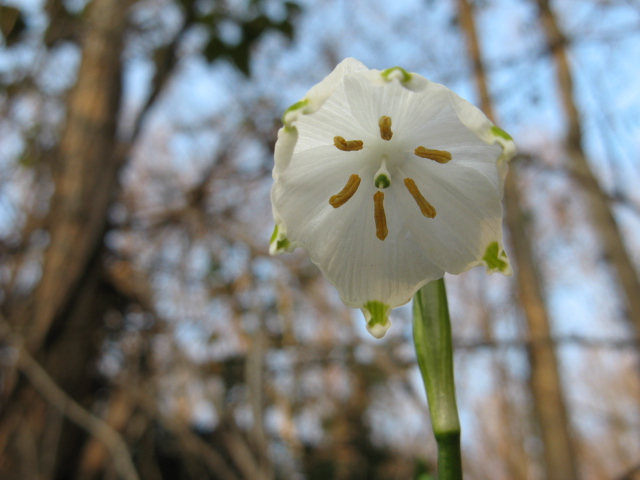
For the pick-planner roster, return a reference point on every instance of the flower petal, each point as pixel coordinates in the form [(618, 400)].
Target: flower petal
[(413, 113), (342, 241), (332, 119), (319, 93), (476, 121), (469, 214), (283, 152)]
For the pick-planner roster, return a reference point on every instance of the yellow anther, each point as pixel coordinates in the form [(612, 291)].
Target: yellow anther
[(379, 215), (425, 207), (385, 127), (440, 156), (347, 145), (346, 193)]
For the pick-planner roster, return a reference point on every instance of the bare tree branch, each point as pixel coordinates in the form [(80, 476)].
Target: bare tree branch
[(43, 383), (602, 217), (629, 474), (214, 461), (576, 340)]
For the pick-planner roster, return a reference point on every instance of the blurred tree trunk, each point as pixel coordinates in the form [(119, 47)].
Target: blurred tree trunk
[(85, 173), (63, 327), (546, 385), (599, 207), (511, 441), (545, 380)]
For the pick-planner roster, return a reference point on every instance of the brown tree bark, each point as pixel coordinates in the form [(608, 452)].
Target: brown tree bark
[(545, 381), (511, 444), (85, 173), (62, 329), (600, 212)]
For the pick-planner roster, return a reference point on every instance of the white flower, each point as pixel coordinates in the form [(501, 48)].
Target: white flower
[(388, 180)]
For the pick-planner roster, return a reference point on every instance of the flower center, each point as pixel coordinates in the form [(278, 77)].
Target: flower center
[(382, 178)]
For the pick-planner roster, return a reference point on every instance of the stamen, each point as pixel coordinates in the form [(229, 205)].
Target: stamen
[(379, 215), (385, 127), (382, 178), (347, 145), (425, 207), (346, 193), (440, 156)]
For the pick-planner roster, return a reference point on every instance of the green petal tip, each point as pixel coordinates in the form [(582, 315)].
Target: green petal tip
[(396, 72), (293, 108), (279, 243), (498, 132), (377, 316), (496, 259)]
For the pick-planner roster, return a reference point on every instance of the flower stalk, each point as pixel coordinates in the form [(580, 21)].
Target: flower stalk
[(434, 351)]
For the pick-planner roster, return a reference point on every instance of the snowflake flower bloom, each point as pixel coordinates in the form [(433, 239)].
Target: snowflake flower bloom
[(388, 181)]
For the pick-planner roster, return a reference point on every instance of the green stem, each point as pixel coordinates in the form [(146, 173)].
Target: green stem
[(434, 350)]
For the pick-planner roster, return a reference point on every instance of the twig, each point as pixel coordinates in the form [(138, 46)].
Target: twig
[(254, 377), (47, 387), (214, 461), (615, 344), (630, 474)]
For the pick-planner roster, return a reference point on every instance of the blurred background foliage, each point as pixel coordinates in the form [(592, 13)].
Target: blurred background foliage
[(146, 333)]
